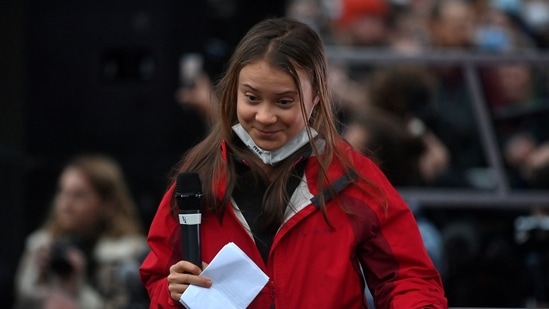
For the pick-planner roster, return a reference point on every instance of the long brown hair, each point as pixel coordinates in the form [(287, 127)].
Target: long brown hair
[(107, 180), (288, 45)]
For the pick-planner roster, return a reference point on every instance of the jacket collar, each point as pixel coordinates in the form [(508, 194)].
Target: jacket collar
[(339, 178)]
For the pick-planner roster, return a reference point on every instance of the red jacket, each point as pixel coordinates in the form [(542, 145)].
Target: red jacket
[(311, 265)]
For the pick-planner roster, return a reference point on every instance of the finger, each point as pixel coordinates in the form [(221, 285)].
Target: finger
[(178, 279), (185, 267), (200, 281), (177, 288), (176, 296)]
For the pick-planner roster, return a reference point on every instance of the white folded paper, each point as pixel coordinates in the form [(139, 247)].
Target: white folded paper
[(236, 281)]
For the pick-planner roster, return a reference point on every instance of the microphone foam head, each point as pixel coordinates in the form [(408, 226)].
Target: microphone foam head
[(188, 184)]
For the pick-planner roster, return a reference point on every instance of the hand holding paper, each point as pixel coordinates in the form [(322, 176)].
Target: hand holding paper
[(236, 282)]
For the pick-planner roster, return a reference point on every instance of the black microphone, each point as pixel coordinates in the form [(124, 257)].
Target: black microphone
[(188, 193)]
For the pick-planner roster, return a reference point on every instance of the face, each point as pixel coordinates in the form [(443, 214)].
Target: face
[(455, 26), (515, 81), (268, 105), (368, 30), (78, 208)]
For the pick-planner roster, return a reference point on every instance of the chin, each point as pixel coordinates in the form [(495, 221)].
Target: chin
[(268, 147)]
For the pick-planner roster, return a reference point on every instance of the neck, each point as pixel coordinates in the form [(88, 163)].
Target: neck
[(278, 155)]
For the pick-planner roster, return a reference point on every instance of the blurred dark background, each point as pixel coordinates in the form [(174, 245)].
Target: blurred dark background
[(100, 76)]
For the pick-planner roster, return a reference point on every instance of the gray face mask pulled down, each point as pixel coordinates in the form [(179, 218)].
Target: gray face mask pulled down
[(275, 156)]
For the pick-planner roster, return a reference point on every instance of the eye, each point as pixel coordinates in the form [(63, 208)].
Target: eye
[(285, 102), (80, 195), (251, 98)]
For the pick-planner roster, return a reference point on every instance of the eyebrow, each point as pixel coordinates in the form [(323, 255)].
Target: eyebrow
[(287, 92)]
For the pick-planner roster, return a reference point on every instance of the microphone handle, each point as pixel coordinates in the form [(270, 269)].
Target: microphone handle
[(190, 239)]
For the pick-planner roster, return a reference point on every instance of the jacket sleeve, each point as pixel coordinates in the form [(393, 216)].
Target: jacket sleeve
[(163, 239), (28, 273), (397, 267)]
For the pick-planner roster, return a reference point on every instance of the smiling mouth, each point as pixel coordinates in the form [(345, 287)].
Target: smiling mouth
[(266, 131), (266, 134)]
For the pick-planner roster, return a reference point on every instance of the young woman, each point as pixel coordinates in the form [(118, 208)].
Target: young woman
[(316, 216), (91, 246)]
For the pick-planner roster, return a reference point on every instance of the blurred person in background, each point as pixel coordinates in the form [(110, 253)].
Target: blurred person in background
[(407, 150), (501, 27), (198, 94), (516, 92), (91, 244), (521, 115), (355, 24), (530, 158), (362, 23), (451, 27), (408, 33)]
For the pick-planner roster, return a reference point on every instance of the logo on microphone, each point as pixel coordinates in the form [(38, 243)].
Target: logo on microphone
[(190, 219)]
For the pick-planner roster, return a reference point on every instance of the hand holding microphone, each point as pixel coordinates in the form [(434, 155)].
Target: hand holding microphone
[(188, 194)]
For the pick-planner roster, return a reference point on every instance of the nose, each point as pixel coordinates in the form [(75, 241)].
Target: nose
[(265, 114)]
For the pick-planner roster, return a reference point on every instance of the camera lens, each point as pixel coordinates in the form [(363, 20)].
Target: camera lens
[(59, 261)]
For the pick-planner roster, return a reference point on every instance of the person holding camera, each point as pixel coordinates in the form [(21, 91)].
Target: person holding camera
[(91, 245)]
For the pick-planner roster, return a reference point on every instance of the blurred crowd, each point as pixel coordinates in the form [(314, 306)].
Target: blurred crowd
[(420, 25), (427, 109)]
